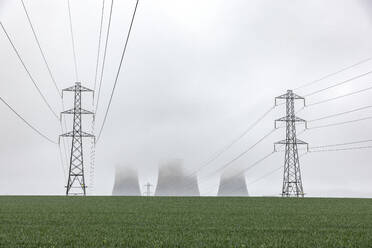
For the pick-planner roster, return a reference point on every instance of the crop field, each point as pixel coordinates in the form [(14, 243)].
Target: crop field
[(27, 221)]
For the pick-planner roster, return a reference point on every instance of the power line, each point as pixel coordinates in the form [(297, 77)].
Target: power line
[(314, 147), (223, 150), (326, 150), (333, 73), (28, 72), (251, 166), (99, 47), (104, 56), (257, 162), (27, 123), (343, 149), (237, 157), (244, 152), (61, 161), (342, 113), (118, 72), (50, 74), (268, 174), (64, 143), (239, 137), (229, 145), (338, 84), (73, 41), (93, 143), (342, 144), (40, 49), (341, 123), (339, 97)]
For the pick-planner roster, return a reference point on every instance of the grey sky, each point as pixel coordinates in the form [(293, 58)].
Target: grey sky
[(197, 73)]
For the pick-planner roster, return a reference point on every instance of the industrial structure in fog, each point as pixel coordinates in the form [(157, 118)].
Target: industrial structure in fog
[(232, 185), (172, 180), (292, 183), (126, 182)]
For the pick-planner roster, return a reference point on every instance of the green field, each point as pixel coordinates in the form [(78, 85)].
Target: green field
[(184, 222)]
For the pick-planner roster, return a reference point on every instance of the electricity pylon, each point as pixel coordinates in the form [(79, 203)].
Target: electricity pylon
[(76, 179), (148, 187), (292, 182)]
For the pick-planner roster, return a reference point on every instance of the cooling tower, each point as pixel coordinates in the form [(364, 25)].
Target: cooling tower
[(172, 181), (126, 182), (232, 186)]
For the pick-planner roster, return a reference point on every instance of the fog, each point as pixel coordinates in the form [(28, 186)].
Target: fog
[(173, 181), (232, 185), (126, 182), (195, 76)]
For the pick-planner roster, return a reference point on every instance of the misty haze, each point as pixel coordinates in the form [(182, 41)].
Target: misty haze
[(186, 123)]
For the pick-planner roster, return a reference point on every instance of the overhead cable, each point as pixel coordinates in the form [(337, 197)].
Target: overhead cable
[(339, 97), (250, 166), (264, 176), (339, 84), (104, 57), (27, 123), (341, 123), (342, 144), (218, 154), (341, 113), (40, 49), (233, 142), (73, 41), (118, 72), (333, 73), (28, 72), (99, 47), (342, 149), (243, 153)]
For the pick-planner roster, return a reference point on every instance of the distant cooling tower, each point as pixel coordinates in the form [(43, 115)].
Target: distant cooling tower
[(126, 182), (172, 181), (232, 186)]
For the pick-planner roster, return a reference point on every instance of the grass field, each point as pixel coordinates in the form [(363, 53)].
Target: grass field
[(184, 222)]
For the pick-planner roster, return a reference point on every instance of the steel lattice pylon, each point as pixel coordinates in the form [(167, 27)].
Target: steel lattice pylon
[(292, 182), (76, 179)]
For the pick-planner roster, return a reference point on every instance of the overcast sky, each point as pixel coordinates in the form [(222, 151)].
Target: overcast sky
[(196, 74)]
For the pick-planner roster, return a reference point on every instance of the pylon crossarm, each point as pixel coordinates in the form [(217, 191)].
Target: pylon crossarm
[(82, 112), (282, 142), (290, 96), (85, 89), (68, 134), (290, 119), (72, 88), (297, 142), (300, 142), (77, 87), (82, 134)]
